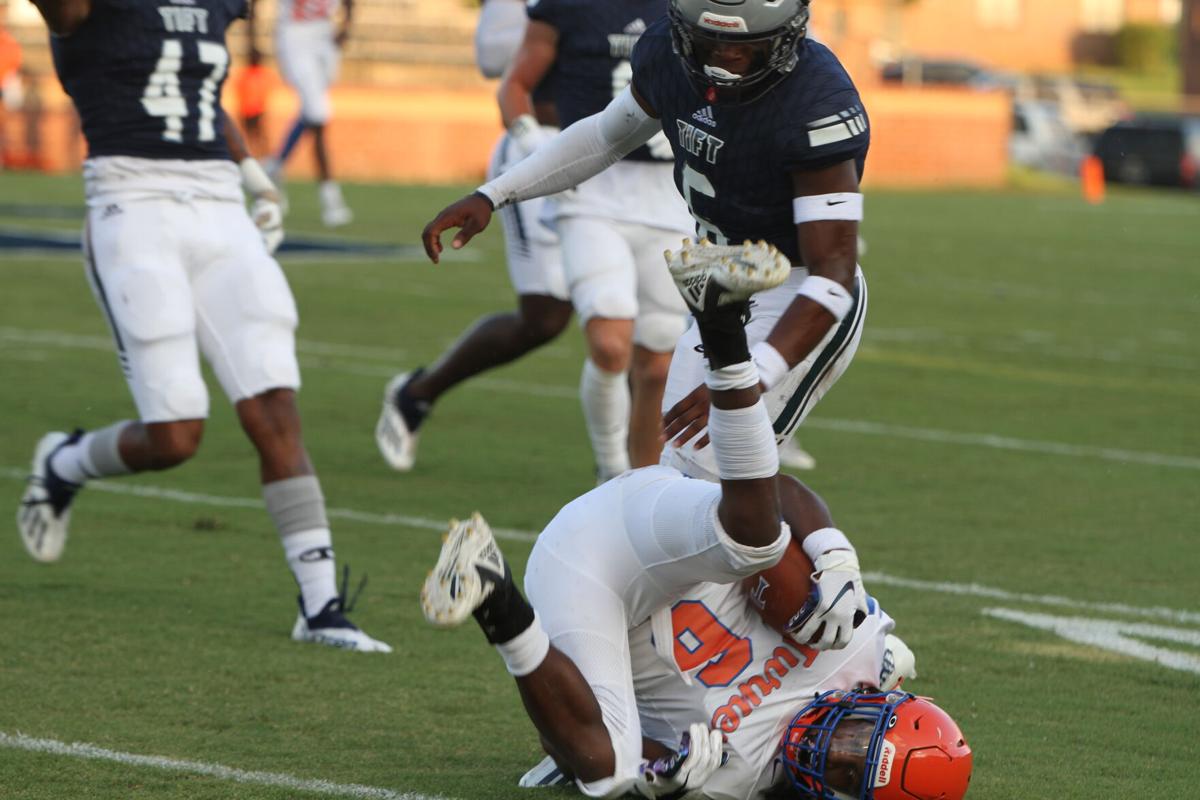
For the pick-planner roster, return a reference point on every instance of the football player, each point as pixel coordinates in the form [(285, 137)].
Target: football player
[(534, 263), (612, 227), (637, 544), (711, 657), (308, 47), (179, 270), (770, 139)]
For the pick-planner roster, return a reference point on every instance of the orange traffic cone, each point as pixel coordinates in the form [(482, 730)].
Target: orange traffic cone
[(1091, 175)]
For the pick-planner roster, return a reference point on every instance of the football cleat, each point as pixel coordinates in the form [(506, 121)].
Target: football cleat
[(396, 432), (468, 570), (334, 211), (792, 455), (546, 773), (712, 276), (330, 627), (44, 516)]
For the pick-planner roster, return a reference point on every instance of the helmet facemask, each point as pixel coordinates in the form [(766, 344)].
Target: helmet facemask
[(835, 743), (875, 746), (770, 55)]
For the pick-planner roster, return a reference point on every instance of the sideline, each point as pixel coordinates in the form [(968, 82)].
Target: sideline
[(91, 752)]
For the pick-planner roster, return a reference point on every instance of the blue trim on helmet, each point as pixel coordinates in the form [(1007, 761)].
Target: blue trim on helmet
[(806, 744)]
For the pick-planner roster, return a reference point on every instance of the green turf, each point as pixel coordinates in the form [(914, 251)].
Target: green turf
[(1029, 316)]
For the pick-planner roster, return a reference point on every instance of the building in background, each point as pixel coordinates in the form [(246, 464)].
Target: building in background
[(412, 107), (1011, 35)]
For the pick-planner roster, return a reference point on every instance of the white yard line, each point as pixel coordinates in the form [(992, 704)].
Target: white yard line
[(513, 534), (370, 369), (1004, 443), (976, 590), (1116, 636), (91, 752), (218, 501)]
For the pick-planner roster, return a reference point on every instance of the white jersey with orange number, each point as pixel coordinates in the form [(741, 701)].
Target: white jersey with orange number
[(710, 658), (307, 10)]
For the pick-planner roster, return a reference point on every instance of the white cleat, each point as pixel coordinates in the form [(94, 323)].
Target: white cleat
[(331, 628), (792, 455), (709, 276), (467, 571), (899, 663), (546, 773), (397, 443), (44, 515), (334, 211)]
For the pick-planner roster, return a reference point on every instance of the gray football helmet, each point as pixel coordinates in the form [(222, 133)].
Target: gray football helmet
[(775, 26)]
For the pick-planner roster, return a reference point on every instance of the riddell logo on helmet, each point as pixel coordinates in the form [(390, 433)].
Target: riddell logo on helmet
[(722, 23), (887, 758)]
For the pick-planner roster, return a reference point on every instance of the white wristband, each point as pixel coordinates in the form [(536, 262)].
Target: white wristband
[(847, 206), (820, 542), (830, 294), (734, 376), (254, 178), (771, 365)]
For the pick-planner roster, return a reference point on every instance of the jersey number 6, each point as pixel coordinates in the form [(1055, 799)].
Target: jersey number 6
[(701, 638)]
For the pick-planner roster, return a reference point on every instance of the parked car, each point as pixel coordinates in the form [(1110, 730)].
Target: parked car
[(1087, 105), (1041, 140), (944, 72), (1157, 150)]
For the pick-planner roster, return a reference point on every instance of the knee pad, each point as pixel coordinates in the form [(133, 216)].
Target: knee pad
[(658, 331)]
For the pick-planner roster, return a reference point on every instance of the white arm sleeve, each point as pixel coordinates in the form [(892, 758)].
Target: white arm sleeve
[(586, 148), (498, 34)]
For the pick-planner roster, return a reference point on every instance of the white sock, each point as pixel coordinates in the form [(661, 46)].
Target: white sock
[(95, 455), (331, 193), (310, 556), (526, 652), (605, 399), (71, 463)]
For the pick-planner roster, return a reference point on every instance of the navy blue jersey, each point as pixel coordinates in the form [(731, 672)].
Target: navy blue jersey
[(146, 76), (595, 41), (733, 162)]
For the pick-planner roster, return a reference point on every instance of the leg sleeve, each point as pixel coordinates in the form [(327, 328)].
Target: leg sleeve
[(586, 621)]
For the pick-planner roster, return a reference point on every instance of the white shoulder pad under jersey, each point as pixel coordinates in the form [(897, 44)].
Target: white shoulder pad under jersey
[(711, 658)]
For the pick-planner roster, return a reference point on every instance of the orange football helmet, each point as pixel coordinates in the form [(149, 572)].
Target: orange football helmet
[(876, 746)]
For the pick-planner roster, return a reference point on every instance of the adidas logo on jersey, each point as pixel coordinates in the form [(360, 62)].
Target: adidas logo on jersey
[(705, 116), (637, 27)]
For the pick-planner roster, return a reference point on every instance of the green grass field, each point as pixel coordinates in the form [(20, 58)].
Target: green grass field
[(1017, 436)]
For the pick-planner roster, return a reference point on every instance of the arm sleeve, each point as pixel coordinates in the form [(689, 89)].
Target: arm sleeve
[(586, 148), (498, 34)]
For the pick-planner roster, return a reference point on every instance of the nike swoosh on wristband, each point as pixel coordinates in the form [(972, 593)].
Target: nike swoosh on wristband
[(835, 202)]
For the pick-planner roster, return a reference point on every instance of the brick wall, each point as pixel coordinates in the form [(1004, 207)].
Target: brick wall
[(921, 137)]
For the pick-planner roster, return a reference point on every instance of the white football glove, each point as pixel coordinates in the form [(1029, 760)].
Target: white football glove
[(701, 753), (838, 602), (265, 209), (527, 134)]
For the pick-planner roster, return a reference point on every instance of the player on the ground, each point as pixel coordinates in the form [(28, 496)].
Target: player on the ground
[(308, 47), (612, 558), (534, 263), (770, 140), (720, 663), (179, 269)]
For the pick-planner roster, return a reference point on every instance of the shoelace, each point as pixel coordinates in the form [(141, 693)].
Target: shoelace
[(348, 604)]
